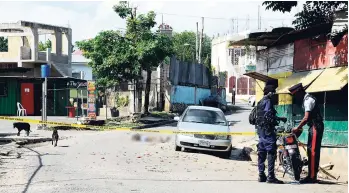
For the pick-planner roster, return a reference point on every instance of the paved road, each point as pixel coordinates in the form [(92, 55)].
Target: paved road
[(111, 162)]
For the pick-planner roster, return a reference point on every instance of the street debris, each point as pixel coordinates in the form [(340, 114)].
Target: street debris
[(328, 166)]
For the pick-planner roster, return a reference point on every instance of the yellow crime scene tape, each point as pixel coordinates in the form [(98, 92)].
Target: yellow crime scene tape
[(34, 121)]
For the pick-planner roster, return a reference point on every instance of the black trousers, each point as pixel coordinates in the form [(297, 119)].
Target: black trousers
[(271, 156), (266, 150), (315, 134)]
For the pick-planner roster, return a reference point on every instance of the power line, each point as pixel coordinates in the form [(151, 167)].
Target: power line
[(222, 18)]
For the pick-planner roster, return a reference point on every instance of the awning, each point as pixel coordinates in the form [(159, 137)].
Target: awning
[(259, 76), (331, 79), (301, 77)]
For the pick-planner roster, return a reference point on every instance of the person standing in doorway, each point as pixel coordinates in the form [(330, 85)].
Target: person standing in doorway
[(233, 96), (313, 118)]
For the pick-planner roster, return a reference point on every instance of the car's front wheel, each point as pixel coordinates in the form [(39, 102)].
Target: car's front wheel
[(226, 154), (177, 148)]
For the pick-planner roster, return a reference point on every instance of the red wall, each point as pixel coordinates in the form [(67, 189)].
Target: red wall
[(312, 54), (232, 83), (242, 86)]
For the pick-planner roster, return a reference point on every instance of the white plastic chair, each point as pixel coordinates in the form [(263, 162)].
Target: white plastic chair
[(21, 110)]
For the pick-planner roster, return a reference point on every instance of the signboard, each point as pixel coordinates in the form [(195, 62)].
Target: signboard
[(91, 110)]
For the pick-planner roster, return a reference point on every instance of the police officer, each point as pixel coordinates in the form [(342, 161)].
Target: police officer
[(266, 122), (312, 117)]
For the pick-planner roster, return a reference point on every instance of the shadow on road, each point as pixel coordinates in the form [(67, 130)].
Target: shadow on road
[(7, 134), (35, 172), (5, 142), (236, 155)]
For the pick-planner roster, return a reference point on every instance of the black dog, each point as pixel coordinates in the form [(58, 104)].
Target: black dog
[(55, 137), (22, 126)]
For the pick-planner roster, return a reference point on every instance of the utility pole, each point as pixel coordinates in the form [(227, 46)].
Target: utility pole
[(82, 76), (197, 43), (248, 22), (237, 25), (232, 20), (259, 27), (201, 39)]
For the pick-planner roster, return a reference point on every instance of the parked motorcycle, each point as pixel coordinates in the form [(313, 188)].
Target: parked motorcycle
[(289, 155)]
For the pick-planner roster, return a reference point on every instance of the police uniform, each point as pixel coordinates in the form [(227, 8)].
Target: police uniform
[(266, 122), (316, 129)]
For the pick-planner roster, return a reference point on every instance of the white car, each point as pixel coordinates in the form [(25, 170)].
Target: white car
[(203, 119), (252, 101)]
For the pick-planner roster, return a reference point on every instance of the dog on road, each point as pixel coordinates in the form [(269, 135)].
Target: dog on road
[(55, 137), (22, 126)]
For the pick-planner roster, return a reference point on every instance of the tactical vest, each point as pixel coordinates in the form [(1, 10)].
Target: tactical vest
[(267, 120), (315, 114)]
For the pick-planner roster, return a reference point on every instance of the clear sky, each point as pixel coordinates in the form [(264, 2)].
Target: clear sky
[(87, 18)]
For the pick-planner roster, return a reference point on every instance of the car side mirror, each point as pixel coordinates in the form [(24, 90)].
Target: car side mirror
[(176, 118)]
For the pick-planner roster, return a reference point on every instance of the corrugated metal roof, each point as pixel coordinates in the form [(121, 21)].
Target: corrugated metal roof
[(330, 80), (259, 76), (77, 57)]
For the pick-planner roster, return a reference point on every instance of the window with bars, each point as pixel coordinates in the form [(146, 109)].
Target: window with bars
[(235, 54)]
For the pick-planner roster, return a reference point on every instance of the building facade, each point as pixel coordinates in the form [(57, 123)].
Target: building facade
[(234, 61), (20, 68), (80, 68), (309, 57)]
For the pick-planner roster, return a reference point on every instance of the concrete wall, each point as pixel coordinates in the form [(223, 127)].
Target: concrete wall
[(14, 44), (61, 46)]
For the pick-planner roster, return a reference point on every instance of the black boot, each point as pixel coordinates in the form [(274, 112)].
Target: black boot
[(262, 177), (274, 180), (308, 180)]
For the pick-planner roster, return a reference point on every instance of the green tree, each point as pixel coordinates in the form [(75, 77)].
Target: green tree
[(184, 46), (151, 47), (117, 57), (111, 57), (313, 12), (44, 46), (3, 44)]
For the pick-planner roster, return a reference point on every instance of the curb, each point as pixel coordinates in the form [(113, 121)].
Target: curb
[(154, 124), (24, 141)]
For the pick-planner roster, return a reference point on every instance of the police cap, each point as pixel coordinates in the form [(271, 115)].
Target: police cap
[(272, 82), (296, 88)]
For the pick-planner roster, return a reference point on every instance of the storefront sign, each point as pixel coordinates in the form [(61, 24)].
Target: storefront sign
[(91, 110)]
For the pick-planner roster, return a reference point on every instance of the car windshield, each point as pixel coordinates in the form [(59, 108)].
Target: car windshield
[(205, 116)]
